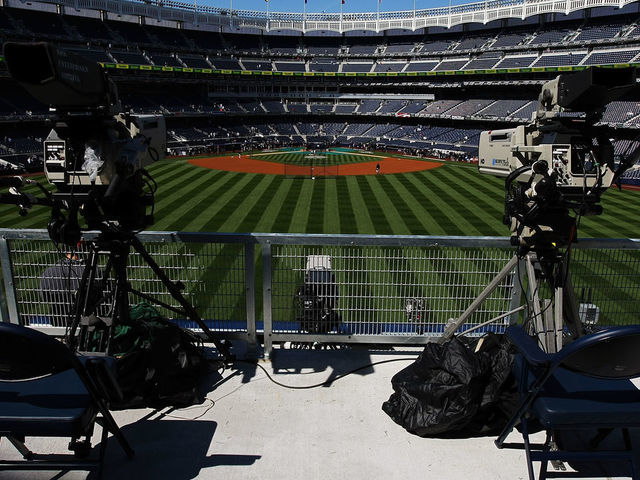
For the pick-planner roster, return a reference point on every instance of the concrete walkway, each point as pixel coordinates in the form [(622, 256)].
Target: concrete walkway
[(251, 428)]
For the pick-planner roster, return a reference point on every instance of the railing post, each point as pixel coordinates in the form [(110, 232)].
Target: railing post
[(266, 297), (518, 283), (250, 289), (10, 305)]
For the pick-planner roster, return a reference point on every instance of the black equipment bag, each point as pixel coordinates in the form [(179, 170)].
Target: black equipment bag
[(455, 390), (158, 363)]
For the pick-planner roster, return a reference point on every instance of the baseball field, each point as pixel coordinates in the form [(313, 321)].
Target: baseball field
[(343, 192), (261, 192)]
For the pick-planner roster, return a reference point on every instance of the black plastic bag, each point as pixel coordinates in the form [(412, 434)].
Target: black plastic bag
[(455, 390)]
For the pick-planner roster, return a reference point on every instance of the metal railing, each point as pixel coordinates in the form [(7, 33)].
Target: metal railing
[(197, 14), (326, 288)]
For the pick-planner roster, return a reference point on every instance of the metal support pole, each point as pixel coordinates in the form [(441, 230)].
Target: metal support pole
[(570, 309), (556, 341), (266, 298), (10, 305), (516, 293), (534, 299), (250, 289)]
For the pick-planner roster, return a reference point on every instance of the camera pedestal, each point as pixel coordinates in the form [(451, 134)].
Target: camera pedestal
[(547, 317)]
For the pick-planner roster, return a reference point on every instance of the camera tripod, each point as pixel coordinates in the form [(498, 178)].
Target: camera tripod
[(98, 330), (540, 264)]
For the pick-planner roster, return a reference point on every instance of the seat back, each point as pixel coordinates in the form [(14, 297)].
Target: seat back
[(611, 354), (26, 353)]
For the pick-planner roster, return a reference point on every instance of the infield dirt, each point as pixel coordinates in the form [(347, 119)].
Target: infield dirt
[(246, 164)]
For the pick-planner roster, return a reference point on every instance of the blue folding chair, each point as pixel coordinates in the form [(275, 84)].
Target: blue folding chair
[(583, 398), (46, 391)]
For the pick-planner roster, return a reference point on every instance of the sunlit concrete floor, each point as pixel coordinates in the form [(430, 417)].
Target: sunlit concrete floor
[(252, 428)]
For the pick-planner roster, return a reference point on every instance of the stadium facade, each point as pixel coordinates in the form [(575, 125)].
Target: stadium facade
[(423, 81)]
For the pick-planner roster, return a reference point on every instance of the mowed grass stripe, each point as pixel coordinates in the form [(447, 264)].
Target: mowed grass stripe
[(492, 193), (345, 207), (315, 214), (254, 206), (609, 284), (376, 211), (625, 199), (178, 196), (438, 206), (178, 211), (180, 175), (487, 216), (364, 222), (420, 202), (273, 206), (300, 213), (282, 219), (193, 215), (594, 229), (409, 213), (212, 217), (416, 204), (606, 226), (473, 221), (331, 211), (389, 202), (162, 168), (611, 263)]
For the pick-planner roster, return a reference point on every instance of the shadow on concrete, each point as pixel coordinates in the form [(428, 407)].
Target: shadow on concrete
[(301, 361), (168, 449)]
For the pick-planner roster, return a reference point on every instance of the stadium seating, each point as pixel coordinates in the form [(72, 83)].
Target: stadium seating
[(357, 67), (290, 66), (598, 32), (389, 66), (368, 106), (391, 106), (324, 65), (602, 57), (399, 48), (420, 66), (195, 61), (451, 64), (571, 58), (516, 61), (257, 65), (469, 107), (358, 64)]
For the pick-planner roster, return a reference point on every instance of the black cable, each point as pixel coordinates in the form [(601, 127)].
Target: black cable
[(326, 382)]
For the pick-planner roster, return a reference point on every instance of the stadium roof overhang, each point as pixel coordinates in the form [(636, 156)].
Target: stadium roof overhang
[(190, 15)]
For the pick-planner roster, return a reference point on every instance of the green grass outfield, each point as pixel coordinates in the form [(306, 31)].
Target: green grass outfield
[(451, 200)]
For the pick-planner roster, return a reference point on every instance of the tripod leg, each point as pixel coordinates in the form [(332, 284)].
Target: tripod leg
[(118, 261), (82, 296), (453, 326), (570, 310), (177, 295)]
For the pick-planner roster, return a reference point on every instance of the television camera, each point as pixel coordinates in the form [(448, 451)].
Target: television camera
[(317, 298), (95, 154), (561, 161), (95, 157)]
